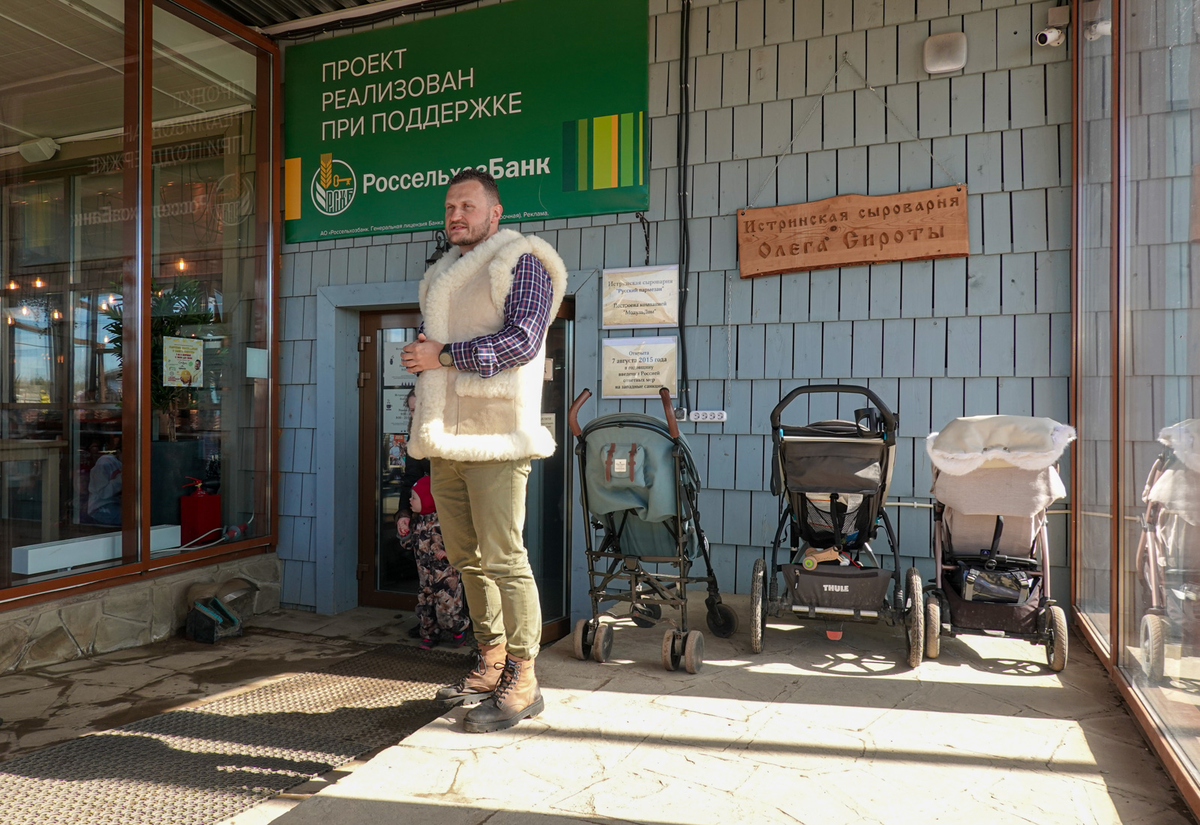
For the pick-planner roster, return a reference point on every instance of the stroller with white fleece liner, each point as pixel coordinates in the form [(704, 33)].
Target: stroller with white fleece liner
[(994, 476), (1168, 554)]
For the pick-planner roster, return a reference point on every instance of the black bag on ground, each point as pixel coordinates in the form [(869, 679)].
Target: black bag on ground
[(977, 584)]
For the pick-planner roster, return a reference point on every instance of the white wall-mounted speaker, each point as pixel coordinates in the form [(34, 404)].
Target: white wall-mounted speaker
[(38, 149), (945, 52)]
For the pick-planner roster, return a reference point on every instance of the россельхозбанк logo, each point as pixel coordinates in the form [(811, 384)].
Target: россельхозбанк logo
[(333, 186)]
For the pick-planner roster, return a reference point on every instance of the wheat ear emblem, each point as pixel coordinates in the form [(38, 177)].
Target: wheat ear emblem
[(326, 171)]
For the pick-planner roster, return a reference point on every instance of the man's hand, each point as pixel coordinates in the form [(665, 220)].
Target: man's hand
[(402, 526), (421, 355)]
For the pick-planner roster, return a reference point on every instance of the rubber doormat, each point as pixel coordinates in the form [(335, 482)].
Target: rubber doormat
[(205, 764)]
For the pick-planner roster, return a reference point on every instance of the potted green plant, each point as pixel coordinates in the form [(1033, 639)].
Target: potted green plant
[(178, 308)]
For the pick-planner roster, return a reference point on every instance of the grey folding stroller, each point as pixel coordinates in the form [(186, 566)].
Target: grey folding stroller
[(993, 478), (1168, 554), (833, 478), (639, 489)]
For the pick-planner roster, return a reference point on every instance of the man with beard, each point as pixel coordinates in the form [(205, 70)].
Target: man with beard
[(479, 359)]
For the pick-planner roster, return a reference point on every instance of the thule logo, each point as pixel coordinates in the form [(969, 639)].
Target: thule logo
[(836, 588)]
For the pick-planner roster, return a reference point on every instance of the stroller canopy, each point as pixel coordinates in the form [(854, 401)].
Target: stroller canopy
[(1025, 442), (1176, 484), (1184, 440)]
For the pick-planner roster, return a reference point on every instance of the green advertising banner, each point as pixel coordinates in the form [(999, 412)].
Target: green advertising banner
[(550, 96)]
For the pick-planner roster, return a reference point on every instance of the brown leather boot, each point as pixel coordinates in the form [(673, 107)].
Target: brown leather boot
[(479, 682), (517, 697)]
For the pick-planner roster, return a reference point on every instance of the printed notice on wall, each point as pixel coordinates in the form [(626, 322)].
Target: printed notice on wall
[(396, 417), (641, 297), (393, 364), (639, 367), (183, 362)]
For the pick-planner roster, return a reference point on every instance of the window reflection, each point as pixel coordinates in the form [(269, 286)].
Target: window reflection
[(208, 305), (63, 252), (1093, 451), (1159, 572)]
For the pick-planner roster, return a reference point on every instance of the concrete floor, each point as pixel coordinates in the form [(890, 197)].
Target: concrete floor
[(809, 731)]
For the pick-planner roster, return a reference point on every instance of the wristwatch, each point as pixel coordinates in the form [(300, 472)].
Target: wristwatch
[(445, 358)]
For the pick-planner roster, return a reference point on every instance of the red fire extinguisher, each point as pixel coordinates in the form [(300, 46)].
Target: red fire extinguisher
[(199, 514)]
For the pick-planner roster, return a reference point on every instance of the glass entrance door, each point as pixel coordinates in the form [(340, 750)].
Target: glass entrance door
[(387, 573)]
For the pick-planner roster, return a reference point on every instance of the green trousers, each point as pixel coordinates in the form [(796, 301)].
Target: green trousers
[(481, 508)]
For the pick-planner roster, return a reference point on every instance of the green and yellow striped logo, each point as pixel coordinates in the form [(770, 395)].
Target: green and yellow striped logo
[(604, 152)]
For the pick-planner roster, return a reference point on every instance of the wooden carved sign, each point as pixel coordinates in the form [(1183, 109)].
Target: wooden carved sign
[(853, 229)]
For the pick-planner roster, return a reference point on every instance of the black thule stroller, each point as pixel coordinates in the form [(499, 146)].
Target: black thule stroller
[(832, 478), (638, 486)]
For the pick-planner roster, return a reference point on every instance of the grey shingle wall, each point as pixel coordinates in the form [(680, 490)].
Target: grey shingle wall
[(936, 339)]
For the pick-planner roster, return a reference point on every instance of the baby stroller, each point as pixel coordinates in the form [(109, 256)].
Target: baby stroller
[(1166, 555), (993, 478), (639, 486), (833, 478)]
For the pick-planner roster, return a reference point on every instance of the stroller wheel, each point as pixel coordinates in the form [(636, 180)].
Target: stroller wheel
[(933, 627), (1056, 646), (670, 650), (758, 607), (914, 619), (583, 644), (602, 643), (645, 615), (722, 621), (1153, 644), (693, 651)]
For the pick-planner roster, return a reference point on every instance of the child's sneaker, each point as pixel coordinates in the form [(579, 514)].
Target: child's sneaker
[(429, 644), (460, 639)]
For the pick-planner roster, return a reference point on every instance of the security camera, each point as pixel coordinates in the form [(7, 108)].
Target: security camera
[(1051, 36), (1098, 29)]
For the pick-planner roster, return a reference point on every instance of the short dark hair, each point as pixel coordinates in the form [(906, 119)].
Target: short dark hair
[(485, 180)]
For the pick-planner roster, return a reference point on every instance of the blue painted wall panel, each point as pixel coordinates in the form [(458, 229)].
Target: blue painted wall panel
[(983, 334)]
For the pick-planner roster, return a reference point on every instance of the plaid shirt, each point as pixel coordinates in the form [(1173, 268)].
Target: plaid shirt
[(526, 317)]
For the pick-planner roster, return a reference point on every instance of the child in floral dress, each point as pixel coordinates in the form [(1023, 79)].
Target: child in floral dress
[(440, 601)]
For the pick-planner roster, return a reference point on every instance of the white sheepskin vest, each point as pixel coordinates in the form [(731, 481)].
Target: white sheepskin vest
[(463, 416)]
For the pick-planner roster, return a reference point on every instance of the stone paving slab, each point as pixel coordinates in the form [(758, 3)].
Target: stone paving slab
[(809, 731), (53, 704)]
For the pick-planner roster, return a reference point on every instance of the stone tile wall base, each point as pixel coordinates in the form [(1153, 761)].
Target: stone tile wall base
[(125, 616)]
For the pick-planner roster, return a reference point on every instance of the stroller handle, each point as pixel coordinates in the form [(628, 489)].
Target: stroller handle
[(573, 412), (889, 419), (669, 412), (577, 404)]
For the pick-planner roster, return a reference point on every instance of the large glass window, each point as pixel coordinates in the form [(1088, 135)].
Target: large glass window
[(135, 297), (1093, 452), (209, 332), (1159, 582), (65, 165)]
